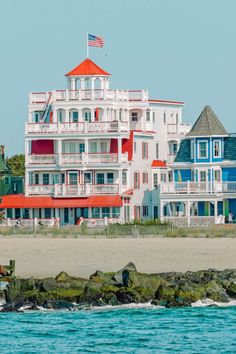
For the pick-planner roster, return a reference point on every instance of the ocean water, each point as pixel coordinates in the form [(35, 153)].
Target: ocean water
[(139, 329)]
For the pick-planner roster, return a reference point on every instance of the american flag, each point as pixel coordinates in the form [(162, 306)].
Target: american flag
[(95, 41)]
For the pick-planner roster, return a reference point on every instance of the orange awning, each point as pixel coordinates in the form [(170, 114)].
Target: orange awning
[(20, 201)]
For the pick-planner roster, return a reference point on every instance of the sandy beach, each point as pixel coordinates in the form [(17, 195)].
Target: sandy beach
[(81, 257)]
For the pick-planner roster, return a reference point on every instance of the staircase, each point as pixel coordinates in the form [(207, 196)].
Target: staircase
[(47, 110)]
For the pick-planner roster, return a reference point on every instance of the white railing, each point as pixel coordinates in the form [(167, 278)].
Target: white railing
[(29, 222), (193, 221), (40, 189), (93, 222), (76, 128), (73, 190), (105, 188), (197, 187), (42, 159), (95, 94), (71, 159), (102, 158), (177, 129)]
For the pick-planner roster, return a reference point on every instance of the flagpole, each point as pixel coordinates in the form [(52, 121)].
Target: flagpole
[(87, 46)]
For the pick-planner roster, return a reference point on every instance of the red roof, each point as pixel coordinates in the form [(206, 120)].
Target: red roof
[(167, 102), (87, 68), (158, 163), (20, 201)]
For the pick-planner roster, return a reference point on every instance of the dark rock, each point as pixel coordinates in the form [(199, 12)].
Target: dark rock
[(118, 275), (231, 290), (128, 295), (49, 284)]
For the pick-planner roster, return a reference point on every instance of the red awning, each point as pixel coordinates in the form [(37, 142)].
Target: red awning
[(20, 201), (158, 163)]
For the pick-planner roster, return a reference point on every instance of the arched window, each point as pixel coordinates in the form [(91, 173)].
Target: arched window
[(87, 84), (97, 84), (86, 113), (74, 115)]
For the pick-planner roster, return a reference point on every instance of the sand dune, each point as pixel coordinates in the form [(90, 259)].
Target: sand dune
[(47, 257)]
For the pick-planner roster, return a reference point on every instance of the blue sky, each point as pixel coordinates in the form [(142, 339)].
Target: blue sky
[(177, 49)]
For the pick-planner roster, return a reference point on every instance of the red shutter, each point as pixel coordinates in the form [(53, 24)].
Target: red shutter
[(143, 178)]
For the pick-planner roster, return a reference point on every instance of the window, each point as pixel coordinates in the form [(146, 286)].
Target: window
[(217, 175), (100, 178), (134, 116), (115, 212), (173, 148), (110, 178), (106, 212), (145, 210), (136, 180), (177, 118), (17, 213), (124, 178), (217, 148), (45, 179), (36, 178), (26, 213), (87, 177), (163, 177), (157, 151), (73, 178), (103, 146), (9, 213), (81, 148), (135, 147), (202, 176), (47, 213), (202, 149), (55, 179), (164, 117), (153, 117), (155, 211), (148, 116), (87, 116), (96, 213), (145, 150), (75, 117), (63, 178), (145, 177), (155, 180), (93, 147)]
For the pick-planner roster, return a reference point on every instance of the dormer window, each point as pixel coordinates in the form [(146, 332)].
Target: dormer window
[(202, 150), (217, 148)]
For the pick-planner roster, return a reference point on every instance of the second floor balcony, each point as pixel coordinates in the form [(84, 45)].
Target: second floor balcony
[(76, 159), (76, 128), (197, 187)]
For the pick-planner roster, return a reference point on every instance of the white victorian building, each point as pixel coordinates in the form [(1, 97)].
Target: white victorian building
[(94, 154)]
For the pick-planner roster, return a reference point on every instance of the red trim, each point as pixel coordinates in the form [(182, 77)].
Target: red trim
[(20, 201), (166, 101)]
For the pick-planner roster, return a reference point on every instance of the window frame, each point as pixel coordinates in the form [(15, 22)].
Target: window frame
[(199, 149), (219, 142)]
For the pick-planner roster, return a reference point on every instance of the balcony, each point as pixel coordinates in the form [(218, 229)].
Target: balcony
[(41, 159), (69, 190), (85, 95), (77, 128), (73, 160), (197, 187), (178, 129)]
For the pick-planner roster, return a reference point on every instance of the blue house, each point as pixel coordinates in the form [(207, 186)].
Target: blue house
[(203, 190)]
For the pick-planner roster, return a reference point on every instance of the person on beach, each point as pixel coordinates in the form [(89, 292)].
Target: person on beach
[(230, 218), (18, 223)]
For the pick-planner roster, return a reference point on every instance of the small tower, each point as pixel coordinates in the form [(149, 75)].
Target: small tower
[(88, 76)]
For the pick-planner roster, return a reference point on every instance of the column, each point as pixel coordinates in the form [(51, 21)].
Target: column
[(119, 150), (187, 205), (215, 211), (27, 142), (92, 110), (67, 116), (120, 181), (59, 151)]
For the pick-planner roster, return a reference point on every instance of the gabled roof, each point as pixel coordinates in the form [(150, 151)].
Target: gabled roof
[(208, 124), (184, 153), (87, 68), (158, 163)]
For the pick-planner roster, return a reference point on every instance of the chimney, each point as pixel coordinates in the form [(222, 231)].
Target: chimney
[(2, 152)]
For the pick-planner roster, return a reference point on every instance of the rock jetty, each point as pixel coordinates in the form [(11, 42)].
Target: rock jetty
[(122, 287)]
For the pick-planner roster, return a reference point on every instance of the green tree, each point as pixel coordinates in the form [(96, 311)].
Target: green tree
[(16, 164)]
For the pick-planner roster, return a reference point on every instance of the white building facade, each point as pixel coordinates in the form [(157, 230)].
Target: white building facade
[(95, 154)]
